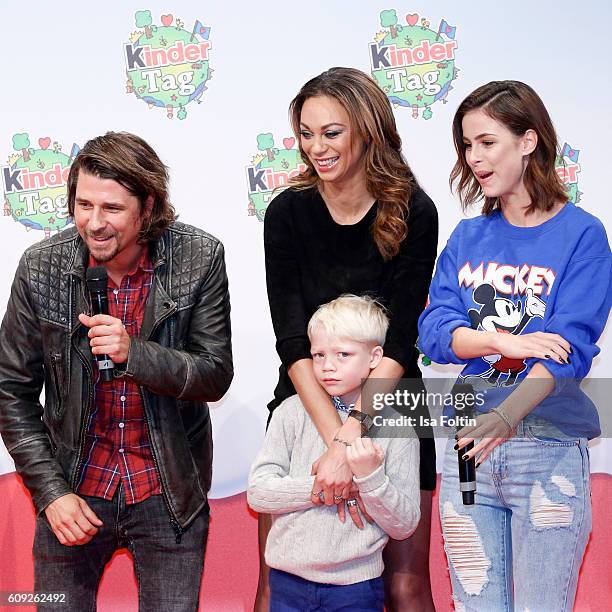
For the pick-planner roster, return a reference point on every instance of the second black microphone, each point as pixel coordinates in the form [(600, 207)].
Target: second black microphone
[(97, 285)]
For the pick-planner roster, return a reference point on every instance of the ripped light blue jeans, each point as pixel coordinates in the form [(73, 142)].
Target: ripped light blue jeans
[(520, 546)]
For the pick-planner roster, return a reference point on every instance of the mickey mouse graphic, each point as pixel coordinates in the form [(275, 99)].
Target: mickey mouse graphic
[(503, 316)]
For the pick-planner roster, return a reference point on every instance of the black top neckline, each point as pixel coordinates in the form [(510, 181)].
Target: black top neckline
[(366, 219)]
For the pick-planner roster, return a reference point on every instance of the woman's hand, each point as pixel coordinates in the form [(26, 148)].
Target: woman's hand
[(540, 345), (468, 343), (334, 477), (356, 508), (491, 431)]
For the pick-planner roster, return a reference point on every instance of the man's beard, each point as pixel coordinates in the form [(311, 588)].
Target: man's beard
[(104, 256)]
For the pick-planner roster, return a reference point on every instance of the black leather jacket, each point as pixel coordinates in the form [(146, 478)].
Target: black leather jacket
[(181, 360)]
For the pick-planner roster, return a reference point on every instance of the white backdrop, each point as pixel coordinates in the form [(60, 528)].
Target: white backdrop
[(65, 81)]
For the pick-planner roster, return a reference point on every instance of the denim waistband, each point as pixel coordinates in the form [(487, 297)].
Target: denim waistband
[(542, 426)]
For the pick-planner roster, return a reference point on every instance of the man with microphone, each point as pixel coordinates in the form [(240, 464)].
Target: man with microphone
[(124, 319)]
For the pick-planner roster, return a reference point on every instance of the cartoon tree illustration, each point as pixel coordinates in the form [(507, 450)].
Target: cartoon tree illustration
[(21, 142), (388, 19), (265, 142), (144, 20)]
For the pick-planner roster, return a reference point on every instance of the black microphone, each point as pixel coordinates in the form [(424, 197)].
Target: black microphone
[(467, 468), (97, 284), (467, 475)]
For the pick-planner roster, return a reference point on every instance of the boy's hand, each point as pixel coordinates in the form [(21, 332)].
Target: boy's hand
[(364, 456)]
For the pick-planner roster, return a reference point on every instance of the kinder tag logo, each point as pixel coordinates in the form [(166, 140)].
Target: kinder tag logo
[(413, 64), (271, 168), (166, 65), (567, 168), (35, 181)]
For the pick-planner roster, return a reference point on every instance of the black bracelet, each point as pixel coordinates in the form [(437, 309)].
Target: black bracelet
[(336, 439)]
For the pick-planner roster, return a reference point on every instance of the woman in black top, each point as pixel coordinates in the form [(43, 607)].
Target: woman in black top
[(355, 221)]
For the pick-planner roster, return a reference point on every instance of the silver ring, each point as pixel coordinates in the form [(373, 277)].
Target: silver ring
[(351, 503), (337, 499), (321, 495)]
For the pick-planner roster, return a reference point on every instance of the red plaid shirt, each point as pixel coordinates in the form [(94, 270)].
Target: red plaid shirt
[(117, 447)]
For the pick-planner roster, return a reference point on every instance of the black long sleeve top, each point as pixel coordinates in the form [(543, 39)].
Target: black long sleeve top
[(311, 259)]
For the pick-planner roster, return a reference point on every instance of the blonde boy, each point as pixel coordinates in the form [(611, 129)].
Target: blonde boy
[(315, 558)]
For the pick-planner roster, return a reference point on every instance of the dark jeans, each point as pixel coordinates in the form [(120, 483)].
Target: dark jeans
[(169, 574), (289, 593)]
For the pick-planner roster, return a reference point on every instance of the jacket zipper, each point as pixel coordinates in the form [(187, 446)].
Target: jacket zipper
[(178, 530), (55, 358), (85, 420)]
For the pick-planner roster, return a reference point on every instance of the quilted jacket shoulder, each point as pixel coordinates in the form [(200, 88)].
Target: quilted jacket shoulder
[(47, 264)]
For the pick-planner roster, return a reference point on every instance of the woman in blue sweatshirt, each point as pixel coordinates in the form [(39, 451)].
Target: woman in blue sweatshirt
[(521, 295)]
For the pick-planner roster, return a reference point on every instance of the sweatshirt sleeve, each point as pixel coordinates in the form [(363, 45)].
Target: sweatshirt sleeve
[(270, 487), (287, 307), (582, 306), (446, 310), (391, 493), (411, 279)]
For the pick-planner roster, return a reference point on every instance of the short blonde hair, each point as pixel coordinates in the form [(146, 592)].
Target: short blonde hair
[(352, 317)]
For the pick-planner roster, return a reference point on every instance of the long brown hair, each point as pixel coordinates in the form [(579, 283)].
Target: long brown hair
[(388, 176), (130, 161), (519, 108)]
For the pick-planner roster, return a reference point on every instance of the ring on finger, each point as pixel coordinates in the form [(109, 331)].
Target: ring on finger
[(337, 499), (351, 503)]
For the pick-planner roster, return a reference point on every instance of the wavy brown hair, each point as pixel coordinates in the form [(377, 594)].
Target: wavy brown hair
[(519, 108), (130, 161), (388, 176)]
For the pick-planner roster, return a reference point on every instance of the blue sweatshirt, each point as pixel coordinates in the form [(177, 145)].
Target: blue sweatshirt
[(555, 277)]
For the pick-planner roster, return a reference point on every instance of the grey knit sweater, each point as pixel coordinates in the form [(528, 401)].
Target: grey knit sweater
[(310, 541)]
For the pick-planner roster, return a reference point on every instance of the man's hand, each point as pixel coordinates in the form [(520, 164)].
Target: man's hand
[(107, 336), (73, 522), (364, 456)]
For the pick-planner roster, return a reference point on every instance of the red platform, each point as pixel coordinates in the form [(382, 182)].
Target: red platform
[(230, 574)]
